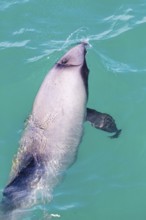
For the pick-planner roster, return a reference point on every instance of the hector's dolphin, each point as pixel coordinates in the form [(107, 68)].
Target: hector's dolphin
[(54, 131)]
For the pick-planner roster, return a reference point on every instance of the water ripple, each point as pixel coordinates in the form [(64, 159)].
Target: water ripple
[(110, 33), (117, 66), (122, 21), (23, 30), (118, 24), (7, 4), (142, 21), (121, 17), (7, 44), (46, 54)]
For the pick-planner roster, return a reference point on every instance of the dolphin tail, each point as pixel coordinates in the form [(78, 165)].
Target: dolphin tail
[(18, 190)]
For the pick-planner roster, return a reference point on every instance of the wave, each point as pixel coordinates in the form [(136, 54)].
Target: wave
[(142, 21), (119, 23), (24, 30), (7, 44), (7, 4), (116, 66)]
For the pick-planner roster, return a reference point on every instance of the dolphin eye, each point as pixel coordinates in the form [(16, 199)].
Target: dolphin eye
[(64, 61)]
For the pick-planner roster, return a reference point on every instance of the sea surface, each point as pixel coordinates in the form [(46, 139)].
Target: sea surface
[(108, 180)]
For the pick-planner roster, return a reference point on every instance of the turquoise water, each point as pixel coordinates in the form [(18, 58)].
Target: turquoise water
[(108, 180)]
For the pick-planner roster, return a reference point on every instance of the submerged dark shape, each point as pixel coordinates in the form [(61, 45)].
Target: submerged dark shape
[(19, 188), (103, 122)]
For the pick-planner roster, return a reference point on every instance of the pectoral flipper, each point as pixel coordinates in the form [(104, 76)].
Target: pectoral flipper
[(103, 122)]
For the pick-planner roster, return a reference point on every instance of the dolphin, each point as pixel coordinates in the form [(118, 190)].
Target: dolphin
[(53, 131)]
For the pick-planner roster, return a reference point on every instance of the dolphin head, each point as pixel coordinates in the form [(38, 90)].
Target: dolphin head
[(74, 57)]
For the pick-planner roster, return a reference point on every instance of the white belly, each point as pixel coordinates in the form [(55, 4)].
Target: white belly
[(59, 112)]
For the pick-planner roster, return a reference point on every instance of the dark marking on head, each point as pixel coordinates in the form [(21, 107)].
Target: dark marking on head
[(75, 57), (63, 63)]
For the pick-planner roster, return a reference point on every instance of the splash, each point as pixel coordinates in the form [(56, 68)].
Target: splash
[(75, 37)]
